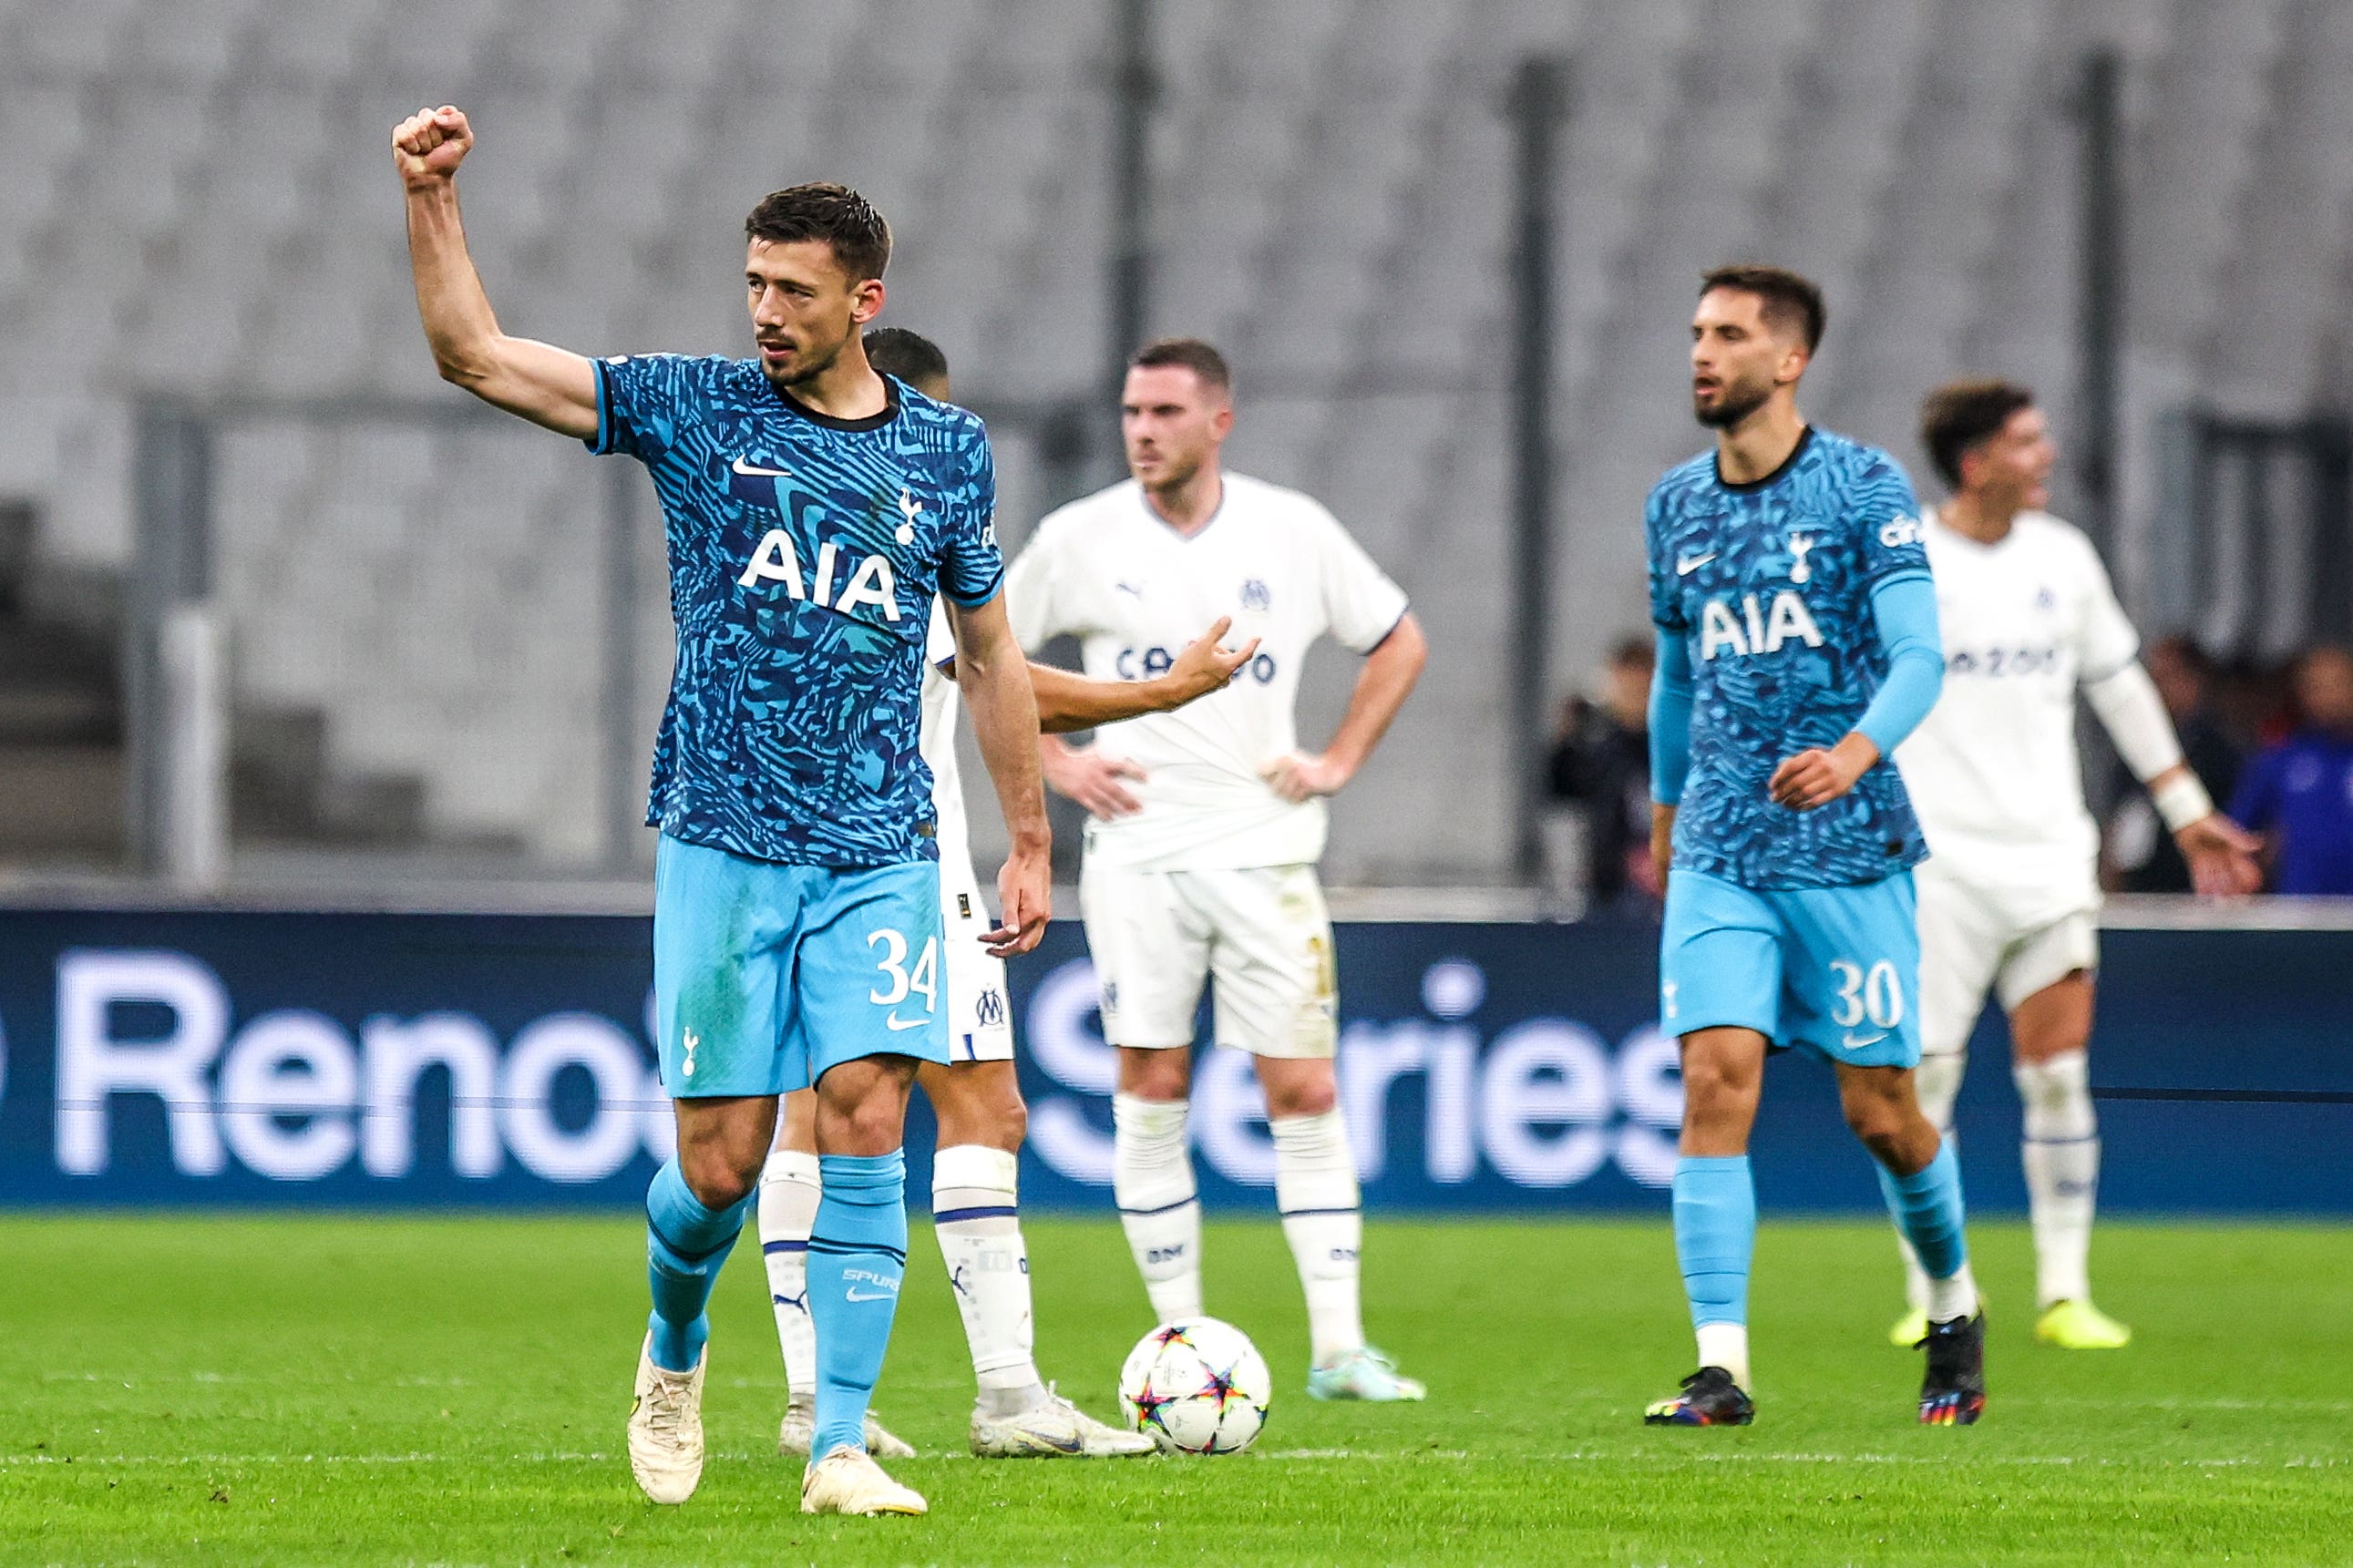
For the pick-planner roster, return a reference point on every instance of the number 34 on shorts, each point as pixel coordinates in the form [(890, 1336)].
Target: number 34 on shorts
[(1833, 971), (767, 976)]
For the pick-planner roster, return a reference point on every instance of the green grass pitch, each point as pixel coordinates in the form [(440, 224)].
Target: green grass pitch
[(359, 1390)]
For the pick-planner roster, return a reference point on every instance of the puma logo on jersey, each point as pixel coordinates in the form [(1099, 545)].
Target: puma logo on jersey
[(1739, 630), (870, 583)]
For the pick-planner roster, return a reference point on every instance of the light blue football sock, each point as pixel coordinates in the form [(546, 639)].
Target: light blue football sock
[(857, 1256), (1927, 1209), (685, 1246), (1715, 1234)]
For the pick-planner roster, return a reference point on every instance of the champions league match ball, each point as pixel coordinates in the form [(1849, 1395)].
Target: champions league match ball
[(1199, 1386)]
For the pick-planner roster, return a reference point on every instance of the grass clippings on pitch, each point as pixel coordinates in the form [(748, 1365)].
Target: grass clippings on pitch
[(354, 1390)]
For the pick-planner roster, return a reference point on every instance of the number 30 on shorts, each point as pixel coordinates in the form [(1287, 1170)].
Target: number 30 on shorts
[(1875, 993), (922, 980)]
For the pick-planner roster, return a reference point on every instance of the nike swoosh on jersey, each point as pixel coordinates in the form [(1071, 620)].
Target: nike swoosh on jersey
[(896, 1022), (753, 471), (868, 1296), (1686, 565), (1850, 1042)]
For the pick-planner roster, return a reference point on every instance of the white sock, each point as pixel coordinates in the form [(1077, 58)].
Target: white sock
[(1954, 1298), (1315, 1189), (974, 1214), (1726, 1345), (1152, 1179), (788, 1196), (1937, 1082), (2061, 1155)]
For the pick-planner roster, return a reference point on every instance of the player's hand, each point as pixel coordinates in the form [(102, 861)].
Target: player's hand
[(2222, 856), (1303, 776), (1816, 777), (427, 146), (1025, 891), (1206, 665), (1084, 774), (1662, 844)]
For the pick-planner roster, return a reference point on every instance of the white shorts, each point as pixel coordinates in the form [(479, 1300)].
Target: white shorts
[(1975, 940), (1262, 933), (980, 1009)]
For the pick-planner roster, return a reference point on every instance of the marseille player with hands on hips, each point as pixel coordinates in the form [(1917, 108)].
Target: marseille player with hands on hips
[(813, 512), (1205, 824), (1797, 638), (975, 1093), (2009, 902)]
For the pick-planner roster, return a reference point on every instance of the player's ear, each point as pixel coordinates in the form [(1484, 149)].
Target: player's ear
[(1794, 360), (866, 300), (1221, 422)]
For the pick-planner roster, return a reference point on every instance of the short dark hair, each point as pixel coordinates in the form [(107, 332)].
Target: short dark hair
[(910, 356), (1960, 414), (835, 214), (1189, 353), (1789, 298)]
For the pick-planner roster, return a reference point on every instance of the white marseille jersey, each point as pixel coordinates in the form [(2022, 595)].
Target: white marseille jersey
[(1993, 770), (1108, 571), (936, 740)]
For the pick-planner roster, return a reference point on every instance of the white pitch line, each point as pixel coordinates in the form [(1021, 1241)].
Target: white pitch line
[(1359, 1456), (1590, 1456)]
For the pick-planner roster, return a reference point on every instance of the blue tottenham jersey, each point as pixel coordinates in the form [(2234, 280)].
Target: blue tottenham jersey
[(803, 553), (1770, 584)]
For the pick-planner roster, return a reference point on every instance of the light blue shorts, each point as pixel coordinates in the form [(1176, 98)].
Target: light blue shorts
[(1833, 969), (766, 976)]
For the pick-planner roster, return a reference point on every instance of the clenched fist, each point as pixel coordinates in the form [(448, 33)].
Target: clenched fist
[(427, 146)]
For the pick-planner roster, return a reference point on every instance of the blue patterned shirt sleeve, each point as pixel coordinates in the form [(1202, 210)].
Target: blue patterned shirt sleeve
[(639, 402), (1666, 608), (972, 567), (1886, 516)]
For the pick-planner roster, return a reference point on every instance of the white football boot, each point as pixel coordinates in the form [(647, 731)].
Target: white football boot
[(848, 1480), (798, 1430), (1361, 1373), (666, 1428), (1054, 1428)]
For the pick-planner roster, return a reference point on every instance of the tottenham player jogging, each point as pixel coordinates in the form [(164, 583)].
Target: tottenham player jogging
[(2009, 903), (1201, 850), (1796, 646), (975, 1094), (814, 509)]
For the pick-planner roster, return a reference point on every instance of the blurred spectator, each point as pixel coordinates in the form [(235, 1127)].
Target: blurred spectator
[(2298, 793), (2142, 857), (1601, 762)]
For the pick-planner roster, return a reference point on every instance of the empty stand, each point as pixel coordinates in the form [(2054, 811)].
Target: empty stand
[(200, 203)]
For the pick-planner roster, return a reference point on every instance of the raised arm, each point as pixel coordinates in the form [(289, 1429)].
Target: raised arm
[(546, 384), (1382, 687), (1067, 701), (995, 679)]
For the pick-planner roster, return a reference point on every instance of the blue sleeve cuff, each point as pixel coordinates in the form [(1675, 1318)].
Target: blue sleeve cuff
[(601, 443), (1903, 605), (974, 601)]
